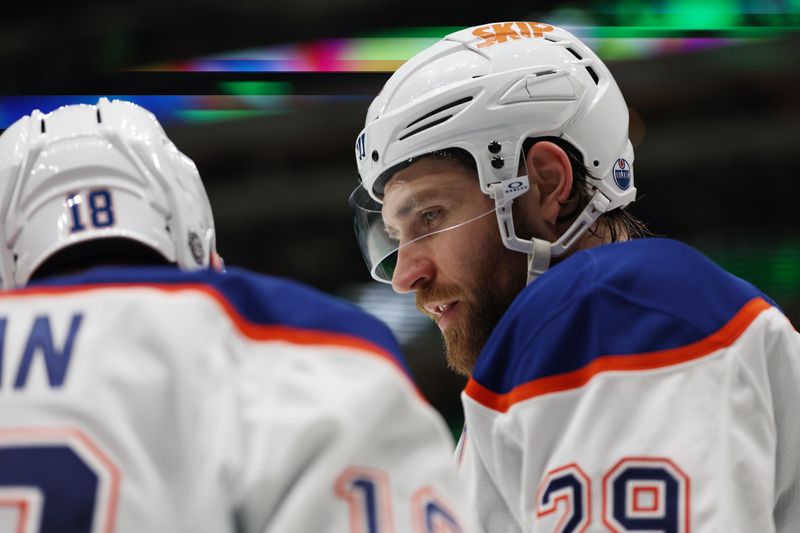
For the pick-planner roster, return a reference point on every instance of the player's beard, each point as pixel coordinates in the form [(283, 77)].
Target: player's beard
[(497, 276)]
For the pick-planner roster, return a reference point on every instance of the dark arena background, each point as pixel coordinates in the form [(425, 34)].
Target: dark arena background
[(268, 97)]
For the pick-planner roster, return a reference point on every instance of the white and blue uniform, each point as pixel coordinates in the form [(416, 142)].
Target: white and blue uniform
[(155, 400), (636, 387)]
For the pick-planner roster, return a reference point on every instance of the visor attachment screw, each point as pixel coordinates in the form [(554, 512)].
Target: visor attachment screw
[(494, 147), (497, 162), (374, 155)]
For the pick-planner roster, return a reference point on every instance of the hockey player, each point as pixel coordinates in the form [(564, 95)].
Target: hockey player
[(614, 384), (163, 399)]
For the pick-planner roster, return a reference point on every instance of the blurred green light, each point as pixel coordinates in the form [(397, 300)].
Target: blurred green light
[(666, 31), (703, 14), (775, 270), (218, 115), (257, 88)]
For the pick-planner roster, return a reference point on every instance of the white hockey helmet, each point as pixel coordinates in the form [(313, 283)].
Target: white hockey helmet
[(487, 89), (87, 172)]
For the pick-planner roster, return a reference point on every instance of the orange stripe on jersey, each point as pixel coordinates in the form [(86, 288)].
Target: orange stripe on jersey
[(259, 332), (723, 337)]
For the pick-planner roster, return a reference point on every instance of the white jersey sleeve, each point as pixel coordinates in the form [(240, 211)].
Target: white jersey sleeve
[(154, 400), (659, 395)]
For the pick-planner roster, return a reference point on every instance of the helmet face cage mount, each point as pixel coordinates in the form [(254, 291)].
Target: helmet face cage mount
[(89, 172), (486, 90)]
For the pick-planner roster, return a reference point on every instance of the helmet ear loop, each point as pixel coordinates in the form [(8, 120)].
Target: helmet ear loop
[(542, 253), (596, 207), (538, 250)]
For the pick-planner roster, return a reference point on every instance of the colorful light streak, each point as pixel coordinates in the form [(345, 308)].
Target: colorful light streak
[(628, 30)]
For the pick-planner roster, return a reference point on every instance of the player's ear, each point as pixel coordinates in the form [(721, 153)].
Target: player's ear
[(216, 262), (550, 172)]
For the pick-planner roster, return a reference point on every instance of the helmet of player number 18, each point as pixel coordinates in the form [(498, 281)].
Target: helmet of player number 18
[(86, 172), (486, 90)]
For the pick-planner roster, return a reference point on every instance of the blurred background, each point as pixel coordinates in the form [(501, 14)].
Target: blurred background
[(268, 97)]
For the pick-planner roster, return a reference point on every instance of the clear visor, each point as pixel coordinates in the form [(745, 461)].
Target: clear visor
[(409, 215)]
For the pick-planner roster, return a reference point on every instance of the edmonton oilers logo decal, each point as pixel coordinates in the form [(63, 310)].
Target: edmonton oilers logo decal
[(622, 174)]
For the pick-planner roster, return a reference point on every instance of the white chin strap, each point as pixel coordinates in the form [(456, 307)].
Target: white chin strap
[(539, 251)]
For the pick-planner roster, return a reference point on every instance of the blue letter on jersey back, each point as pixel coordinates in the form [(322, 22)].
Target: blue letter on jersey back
[(57, 362)]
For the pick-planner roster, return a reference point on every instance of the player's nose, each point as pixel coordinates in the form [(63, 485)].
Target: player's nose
[(414, 269)]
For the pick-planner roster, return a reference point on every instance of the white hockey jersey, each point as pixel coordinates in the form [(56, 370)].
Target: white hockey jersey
[(152, 400), (636, 387)]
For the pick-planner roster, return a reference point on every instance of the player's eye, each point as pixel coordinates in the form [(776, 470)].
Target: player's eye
[(431, 215)]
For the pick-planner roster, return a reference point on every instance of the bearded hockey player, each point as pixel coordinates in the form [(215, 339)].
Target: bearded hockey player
[(615, 383)]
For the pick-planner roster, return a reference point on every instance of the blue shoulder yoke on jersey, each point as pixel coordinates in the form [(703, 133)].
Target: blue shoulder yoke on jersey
[(628, 298), (258, 298)]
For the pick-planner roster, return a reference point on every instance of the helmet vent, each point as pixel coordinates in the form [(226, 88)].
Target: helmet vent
[(433, 113), (425, 127), (590, 70), (43, 128), (440, 109), (99, 118), (593, 74)]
